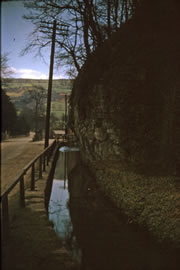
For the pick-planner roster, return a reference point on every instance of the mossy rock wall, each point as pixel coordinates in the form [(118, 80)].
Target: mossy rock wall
[(125, 110), (125, 101)]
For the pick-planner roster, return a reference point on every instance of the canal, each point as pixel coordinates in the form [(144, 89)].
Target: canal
[(98, 235)]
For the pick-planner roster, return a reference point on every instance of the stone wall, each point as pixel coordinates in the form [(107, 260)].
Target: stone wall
[(119, 107), (125, 101), (98, 136)]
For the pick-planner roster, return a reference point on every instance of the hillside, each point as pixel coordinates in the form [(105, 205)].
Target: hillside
[(17, 88), (13, 86)]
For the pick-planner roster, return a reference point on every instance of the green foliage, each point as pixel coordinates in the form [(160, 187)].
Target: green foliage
[(8, 114), (12, 123), (21, 93), (152, 202), (27, 114), (22, 126)]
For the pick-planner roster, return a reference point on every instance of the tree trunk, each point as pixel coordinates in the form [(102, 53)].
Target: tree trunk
[(36, 119), (86, 35), (116, 3), (109, 18)]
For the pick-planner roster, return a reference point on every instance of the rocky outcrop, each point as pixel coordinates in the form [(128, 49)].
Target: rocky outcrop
[(98, 136), (125, 101), (125, 108)]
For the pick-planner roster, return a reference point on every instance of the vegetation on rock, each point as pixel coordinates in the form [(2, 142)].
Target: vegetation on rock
[(135, 75), (125, 110)]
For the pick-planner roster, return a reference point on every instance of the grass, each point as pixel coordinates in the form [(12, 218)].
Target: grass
[(14, 85), (17, 88), (152, 201)]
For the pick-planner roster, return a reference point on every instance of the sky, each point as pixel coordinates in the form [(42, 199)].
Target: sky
[(14, 35)]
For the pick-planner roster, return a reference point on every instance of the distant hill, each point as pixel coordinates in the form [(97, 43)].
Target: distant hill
[(17, 88)]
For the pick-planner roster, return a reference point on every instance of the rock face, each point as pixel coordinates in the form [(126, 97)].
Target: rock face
[(125, 101), (125, 111), (99, 137)]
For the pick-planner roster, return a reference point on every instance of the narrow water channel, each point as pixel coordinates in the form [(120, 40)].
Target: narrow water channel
[(97, 234)]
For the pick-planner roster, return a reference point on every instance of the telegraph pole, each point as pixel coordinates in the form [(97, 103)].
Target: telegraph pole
[(66, 116), (48, 109)]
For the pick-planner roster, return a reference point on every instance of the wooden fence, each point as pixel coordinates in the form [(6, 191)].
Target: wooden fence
[(43, 160)]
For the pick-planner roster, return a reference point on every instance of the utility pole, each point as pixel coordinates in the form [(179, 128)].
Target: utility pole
[(66, 116), (48, 109)]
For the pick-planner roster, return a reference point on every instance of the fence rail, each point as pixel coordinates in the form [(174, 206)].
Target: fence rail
[(43, 159)]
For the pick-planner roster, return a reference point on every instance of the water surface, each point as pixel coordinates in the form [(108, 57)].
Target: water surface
[(98, 235)]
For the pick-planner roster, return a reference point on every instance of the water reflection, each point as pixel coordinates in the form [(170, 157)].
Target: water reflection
[(58, 209), (68, 149), (106, 239), (96, 232)]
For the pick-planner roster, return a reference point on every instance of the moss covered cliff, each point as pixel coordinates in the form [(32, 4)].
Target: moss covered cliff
[(125, 104), (126, 98)]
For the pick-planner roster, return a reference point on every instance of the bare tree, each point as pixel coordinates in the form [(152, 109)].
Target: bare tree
[(82, 25), (35, 99), (6, 71)]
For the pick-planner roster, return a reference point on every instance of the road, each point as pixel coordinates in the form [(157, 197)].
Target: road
[(16, 153), (12, 148)]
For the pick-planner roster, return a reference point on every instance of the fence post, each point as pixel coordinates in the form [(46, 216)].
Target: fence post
[(40, 167), (22, 197), (5, 218), (44, 162), (47, 159), (32, 178), (48, 155)]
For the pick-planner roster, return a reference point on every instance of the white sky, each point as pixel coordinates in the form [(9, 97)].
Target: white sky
[(14, 35)]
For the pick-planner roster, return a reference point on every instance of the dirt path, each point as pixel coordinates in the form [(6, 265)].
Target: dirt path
[(33, 243), (13, 148), (16, 153)]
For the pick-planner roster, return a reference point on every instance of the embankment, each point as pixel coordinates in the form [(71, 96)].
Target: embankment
[(125, 108)]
